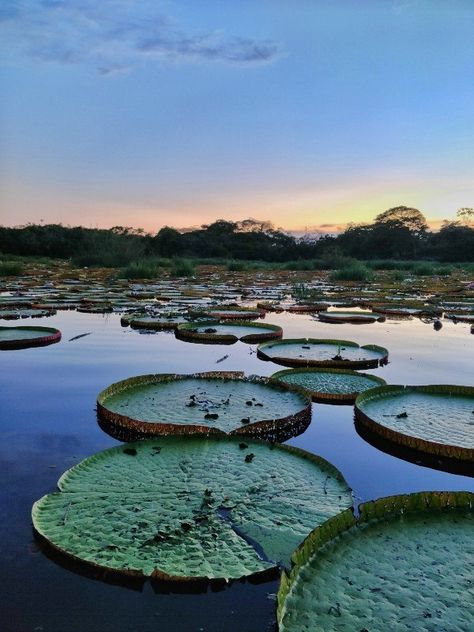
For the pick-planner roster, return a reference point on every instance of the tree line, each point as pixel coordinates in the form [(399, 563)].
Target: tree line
[(400, 233)]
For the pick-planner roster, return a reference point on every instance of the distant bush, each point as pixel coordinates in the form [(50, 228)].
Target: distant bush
[(10, 268), (423, 269), (389, 264), (398, 275), (140, 270), (336, 261), (237, 266), (182, 268), (354, 271), (300, 264), (444, 271)]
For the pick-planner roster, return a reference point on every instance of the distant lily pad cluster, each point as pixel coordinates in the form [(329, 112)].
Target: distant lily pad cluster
[(202, 489)]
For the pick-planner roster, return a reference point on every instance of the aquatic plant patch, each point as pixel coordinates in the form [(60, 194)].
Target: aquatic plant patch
[(16, 314), (405, 564), (330, 385), (165, 321), (350, 317), (228, 332), (232, 313), (188, 508), (323, 353), (434, 419), (217, 402), (23, 337)]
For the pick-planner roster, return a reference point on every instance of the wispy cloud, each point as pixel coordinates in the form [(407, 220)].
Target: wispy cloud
[(115, 36)]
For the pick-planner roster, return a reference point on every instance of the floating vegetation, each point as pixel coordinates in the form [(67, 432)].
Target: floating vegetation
[(228, 333), (16, 314), (203, 403), (434, 419), (308, 308), (405, 564), (165, 321), (350, 317), (24, 337), (232, 313), (185, 508), (330, 386), (309, 352), (407, 310)]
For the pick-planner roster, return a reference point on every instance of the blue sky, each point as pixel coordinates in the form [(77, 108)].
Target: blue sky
[(303, 112)]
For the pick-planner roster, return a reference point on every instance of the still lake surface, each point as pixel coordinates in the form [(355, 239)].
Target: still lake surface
[(48, 423)]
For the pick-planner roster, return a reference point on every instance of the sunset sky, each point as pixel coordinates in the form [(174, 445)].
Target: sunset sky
[(308, 113)]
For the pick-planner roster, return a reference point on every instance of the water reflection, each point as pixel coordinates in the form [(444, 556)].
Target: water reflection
[(48, 421)]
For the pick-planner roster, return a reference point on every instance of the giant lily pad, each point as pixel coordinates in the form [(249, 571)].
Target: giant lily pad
[(23, 337), (350, 317), (163, 321), (434, 419), (325, 353), (406, 564), (15, 314), (405, 311), (228, 333), (202, 403), (232, 313), (330, 385), (189, 508)]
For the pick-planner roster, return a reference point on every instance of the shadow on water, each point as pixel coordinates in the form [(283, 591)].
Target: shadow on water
[(48, 421), (443, 464)]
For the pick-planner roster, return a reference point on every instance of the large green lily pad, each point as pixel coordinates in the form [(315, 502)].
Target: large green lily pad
[(232, 313), (330, 385), (434, 419), (349, 317), (16, 314), (203, 403), (23, 337), (164, 321), (321, 352), (189, 508), (227, 332), (406, 564)]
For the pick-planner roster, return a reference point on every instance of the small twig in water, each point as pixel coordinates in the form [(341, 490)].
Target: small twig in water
[(80, 336)]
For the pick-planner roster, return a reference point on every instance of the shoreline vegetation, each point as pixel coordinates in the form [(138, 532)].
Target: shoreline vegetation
[(398, 241)]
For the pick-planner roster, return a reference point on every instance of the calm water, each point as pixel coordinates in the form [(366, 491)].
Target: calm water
[(47, 402)]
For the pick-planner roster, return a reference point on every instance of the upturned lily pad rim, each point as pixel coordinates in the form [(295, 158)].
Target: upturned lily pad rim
[(400, 310), (51, 335), (185, 331), (19, 314), (308, 308), (350, 317), (304, 362), (230, 313), (324, 397), (266, 428), (375, 510), (423, 445), (161, 322), (158, 574)]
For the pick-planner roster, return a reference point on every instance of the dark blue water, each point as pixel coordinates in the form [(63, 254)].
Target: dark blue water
[(48, 423)]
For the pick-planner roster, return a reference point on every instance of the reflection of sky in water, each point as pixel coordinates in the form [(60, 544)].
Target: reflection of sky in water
[(48, 421)]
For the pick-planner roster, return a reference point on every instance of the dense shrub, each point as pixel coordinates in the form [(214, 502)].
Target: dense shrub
[(10, 268), (182, 268), (140, 270), (354, 271)]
